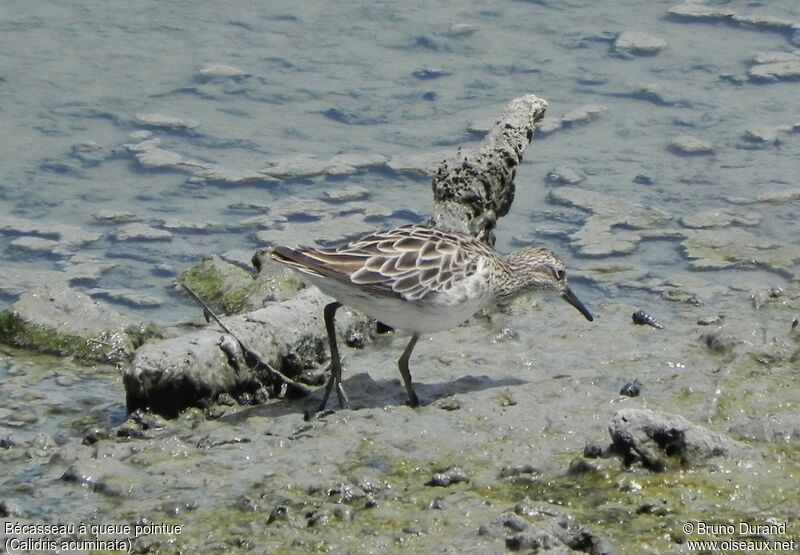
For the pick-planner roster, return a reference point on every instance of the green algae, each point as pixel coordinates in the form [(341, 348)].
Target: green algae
[(640, 510), (108, 347), (233, 290)]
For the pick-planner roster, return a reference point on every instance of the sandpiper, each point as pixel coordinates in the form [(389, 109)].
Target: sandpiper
[(420, 279)]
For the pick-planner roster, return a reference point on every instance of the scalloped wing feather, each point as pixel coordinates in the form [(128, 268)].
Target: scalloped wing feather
[(407, 262)]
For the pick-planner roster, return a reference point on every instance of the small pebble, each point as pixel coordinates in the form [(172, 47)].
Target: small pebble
[(450, 476), (582, 466), (261, 396), (592, 450), (449, 404), (654, 508), (437, 503), (515, 523), (517, 470), (93, 436), (9, 509), (355, 340), (279, 513), (631, 389)]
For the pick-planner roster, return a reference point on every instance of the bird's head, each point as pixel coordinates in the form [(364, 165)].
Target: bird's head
[(539, 269)]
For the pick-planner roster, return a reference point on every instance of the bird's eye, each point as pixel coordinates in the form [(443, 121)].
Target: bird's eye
[(560, 274)]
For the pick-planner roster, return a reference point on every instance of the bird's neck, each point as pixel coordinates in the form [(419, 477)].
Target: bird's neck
[(512, 282)]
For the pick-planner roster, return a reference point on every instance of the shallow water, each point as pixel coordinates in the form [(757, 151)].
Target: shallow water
[(401, 80)]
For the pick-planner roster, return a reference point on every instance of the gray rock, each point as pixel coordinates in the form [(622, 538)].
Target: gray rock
[(221, 72), (461, 30), (767, 134), (231, 289), (777, 71), (779, 197), (548, 125), (693, 10), (558, 535), (726, 247), (481, 127), (616, 226), (295, 167), (192, 370), (9, 509), (583, 114), (658, 94), (635, 42), (564, 176), (689, 145), (138, 231), (115, 216), (35, 245), (370, 209), (325, 232), (176, 224), (85, 268), (104, 475), (164, 121), (140, 135), (765, 21), (353, 192), (232, 177), (303, 165), (16, 281), (660, 440), (425, 73), (68, 235), (719, 218), (452, 475), (149, 154), (289, 207), (62, 321), (418, 164), (88, 152)]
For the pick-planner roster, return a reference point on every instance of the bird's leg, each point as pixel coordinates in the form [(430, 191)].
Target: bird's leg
[(336, 366), (402, 363)]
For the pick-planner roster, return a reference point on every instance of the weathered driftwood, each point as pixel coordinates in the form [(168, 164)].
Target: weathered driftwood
[(471, 190), (193, 369), (254, 360), (475, 187)]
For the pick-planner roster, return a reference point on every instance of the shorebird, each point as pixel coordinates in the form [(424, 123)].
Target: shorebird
[(420, 279)]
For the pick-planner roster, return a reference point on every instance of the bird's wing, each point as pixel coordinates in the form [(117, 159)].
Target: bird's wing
[(408, 262)]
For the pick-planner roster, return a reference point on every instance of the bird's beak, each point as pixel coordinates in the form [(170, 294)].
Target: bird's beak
[(570, 297)]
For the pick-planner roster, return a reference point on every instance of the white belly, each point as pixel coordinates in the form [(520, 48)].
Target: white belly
[(435, 312)]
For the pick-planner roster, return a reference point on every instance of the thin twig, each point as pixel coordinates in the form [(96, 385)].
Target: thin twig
[(274, 373)]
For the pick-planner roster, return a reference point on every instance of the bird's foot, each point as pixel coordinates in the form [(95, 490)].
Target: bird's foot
[(344, 402)]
